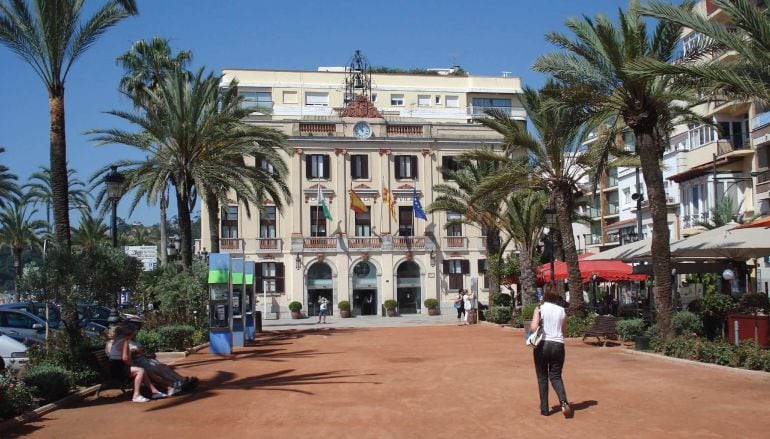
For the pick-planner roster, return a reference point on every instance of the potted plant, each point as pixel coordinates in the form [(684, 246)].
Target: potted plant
[(390, 307), (432, 305), (344, 307), (295, 308), (754, 305), (527, 312)]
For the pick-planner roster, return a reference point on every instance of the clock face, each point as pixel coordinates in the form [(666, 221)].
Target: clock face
[(362, 130)]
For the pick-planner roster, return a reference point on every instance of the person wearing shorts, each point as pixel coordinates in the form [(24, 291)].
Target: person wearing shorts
[(324, 310)]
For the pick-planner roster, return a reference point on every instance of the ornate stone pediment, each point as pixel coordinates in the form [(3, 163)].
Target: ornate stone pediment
[(360, 107)]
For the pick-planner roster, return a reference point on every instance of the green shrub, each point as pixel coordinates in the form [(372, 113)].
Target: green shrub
[(576, 325), (176, 337), (295, 306), (754, 303), (431, 303), (501, 299), (150, 340), (717, 305), (529, 310), (498, 314), (49, 381), (344, 305), (518, 321), (696, 306), (390, 304), (76, 357), (748, 355), (15, 396), (200, 336), (686, 322), (629, 329)]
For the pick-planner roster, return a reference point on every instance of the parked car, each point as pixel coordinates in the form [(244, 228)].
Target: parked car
[(101, 314), (28, 328), (13, 354)]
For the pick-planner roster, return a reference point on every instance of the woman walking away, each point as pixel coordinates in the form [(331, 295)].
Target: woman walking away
[(459, 304), (549, 355)]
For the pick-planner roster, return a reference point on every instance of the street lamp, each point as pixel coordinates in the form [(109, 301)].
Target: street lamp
[(638, 196), (205, 255), (114, 181), (298, 262), (594, 278)]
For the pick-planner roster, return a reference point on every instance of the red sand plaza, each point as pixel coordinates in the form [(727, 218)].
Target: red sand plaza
[(425, 382)]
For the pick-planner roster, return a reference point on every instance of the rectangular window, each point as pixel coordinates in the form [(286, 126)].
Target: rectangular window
[(270, 277), (452, 101), (317, 166), (230, 222), (290, 97), (454, 229), (406, 166), (396, 100), (483, 273), (359, 166), (317, 221), (256, 100), (230, 232), (423, 100), (267, 223), (455, 269), (405, 221), (364, 223), (438, 100), (448, 163), (374, 97), (481, 104), (231, 214), (317, 99)]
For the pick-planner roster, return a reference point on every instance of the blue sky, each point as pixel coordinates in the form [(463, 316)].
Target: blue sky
[(485, 38)]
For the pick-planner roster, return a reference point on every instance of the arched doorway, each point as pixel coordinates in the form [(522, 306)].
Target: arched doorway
[(364, 282), (408, 292), (319, 284)]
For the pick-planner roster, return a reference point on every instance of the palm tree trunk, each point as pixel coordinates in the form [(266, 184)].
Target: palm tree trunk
[(212, 206), (18, 270), (59, 185), (493, 248), (162, 226), (185, 226), (563, 201), (660, 249), (528, 281)]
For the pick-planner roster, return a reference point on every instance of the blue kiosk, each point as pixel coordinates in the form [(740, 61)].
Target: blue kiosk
[(251, 304), (220, 316), (238, 290)]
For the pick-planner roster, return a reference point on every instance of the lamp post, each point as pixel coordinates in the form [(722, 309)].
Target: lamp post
[(550, 219), (114, 181), (638, 196), (594, 278)]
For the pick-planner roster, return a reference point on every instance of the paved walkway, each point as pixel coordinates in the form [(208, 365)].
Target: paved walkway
[(423, 382)]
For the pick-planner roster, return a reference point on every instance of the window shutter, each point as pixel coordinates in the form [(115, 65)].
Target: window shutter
[(308, 167), (279, 274), (414, 166), (445, 266), (365, 166), (258, 277), (465, 266), (482, 265), (327, 162), (397, 170)]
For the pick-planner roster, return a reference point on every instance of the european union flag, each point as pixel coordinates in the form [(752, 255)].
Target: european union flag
[(417, 207)]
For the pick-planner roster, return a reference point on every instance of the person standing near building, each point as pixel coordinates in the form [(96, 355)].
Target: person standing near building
[(469, 304), (460, 304), (324, 309), (549, 355)]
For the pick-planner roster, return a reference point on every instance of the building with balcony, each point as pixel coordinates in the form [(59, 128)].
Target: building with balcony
[(352, 129)]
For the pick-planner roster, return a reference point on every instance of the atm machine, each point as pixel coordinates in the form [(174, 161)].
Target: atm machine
[(220, 334), (238, 291), (250, 302)]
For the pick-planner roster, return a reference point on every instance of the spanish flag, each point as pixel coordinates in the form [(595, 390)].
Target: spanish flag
[(356, 204)]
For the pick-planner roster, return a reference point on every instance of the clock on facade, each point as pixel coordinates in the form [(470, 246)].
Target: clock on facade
[(362, 130)]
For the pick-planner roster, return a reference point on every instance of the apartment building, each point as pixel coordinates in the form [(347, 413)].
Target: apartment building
[(377, 138)]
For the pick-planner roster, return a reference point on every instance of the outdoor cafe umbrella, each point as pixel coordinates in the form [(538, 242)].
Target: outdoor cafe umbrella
[(633, 251), (726, 242), (760, 222), (605, 271)]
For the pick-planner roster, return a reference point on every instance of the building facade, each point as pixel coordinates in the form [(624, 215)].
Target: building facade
[(377, 138)]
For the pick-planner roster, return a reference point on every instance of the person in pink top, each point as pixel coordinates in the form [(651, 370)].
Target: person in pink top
[(549, 355)]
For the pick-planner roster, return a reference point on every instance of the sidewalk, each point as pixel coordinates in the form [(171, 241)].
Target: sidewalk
[(362, 322)]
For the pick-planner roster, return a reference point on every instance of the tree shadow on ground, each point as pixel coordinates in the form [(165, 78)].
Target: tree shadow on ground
[(24, 429)]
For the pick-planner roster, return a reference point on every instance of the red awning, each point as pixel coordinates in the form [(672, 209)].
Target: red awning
[(760, 222), (606, 271)]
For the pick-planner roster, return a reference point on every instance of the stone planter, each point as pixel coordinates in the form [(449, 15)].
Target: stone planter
[(296, 314), (390, 312), (746, 327), (473, 316), (345, 313), (527, 324), (433, 311)]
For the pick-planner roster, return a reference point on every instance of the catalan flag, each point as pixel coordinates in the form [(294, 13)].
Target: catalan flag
[(356, 204), (390, 201)]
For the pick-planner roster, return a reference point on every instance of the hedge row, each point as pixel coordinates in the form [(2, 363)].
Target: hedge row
[(171, 338), (748, 355)]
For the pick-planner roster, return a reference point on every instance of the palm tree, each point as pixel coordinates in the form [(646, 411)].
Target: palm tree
[(140, 235), (50, 35), (594, 66), (92, 231), (146, 66), (8, 187), (193, 133), (41, 192), (554, 165), (746, 32), (459, 197), (18, 230), (522, 220)]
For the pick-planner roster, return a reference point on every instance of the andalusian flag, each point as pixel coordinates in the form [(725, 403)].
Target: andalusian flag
[(356, 204), (322, 203)]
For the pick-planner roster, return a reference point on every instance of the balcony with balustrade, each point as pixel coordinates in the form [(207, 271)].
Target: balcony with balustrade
[(321, 244), (268, 245), (231, 245), (365, 243), (408, 242), (455, 243)]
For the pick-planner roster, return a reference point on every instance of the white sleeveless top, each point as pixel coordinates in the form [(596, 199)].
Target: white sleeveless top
[(116, 350), (552, 317)]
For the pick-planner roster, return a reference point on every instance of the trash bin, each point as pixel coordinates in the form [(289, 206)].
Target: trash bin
[(258, 321)]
